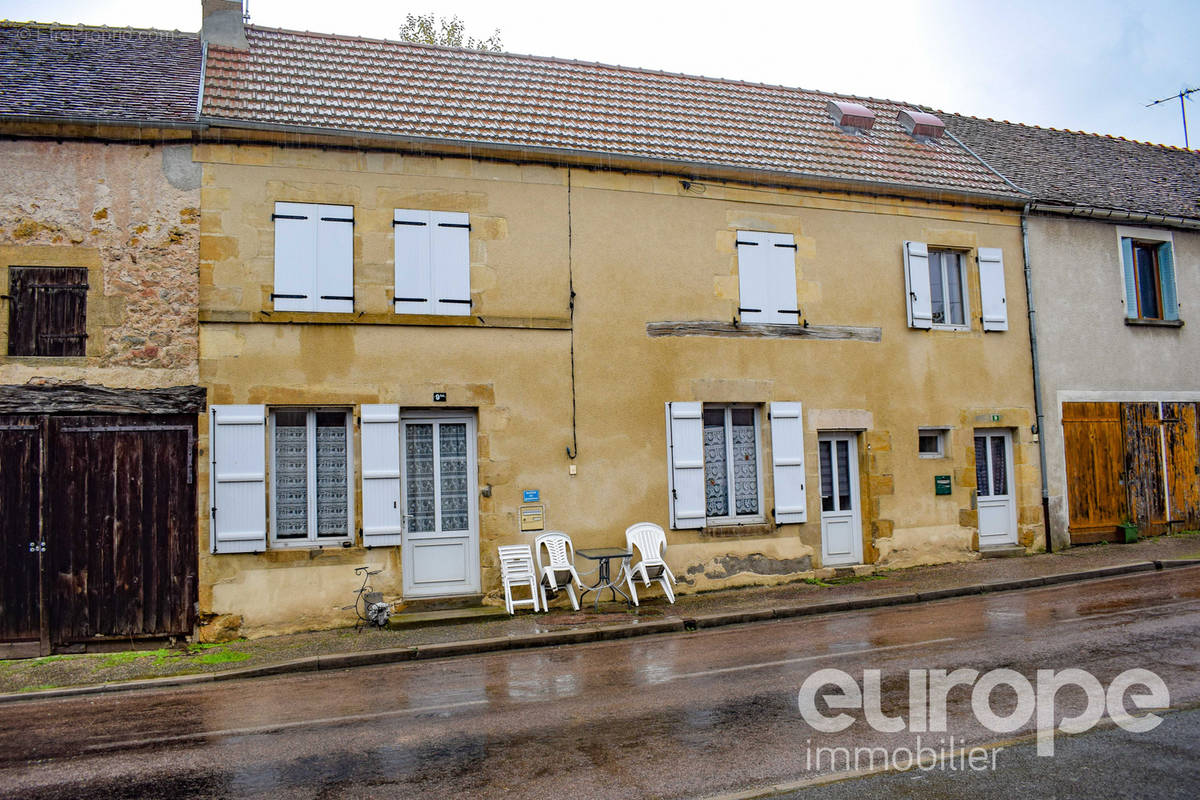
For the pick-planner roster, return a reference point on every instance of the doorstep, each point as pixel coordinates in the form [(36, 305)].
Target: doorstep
[(449, 616), (1003, 551)]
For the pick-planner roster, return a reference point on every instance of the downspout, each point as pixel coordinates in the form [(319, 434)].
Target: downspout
[(1037, 376)]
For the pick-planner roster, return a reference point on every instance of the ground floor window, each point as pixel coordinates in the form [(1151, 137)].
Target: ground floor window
[(310, 475), (733, 487)]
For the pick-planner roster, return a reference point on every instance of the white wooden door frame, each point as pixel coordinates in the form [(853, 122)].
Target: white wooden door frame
[(855, 555), (989, 501), (412, 539)]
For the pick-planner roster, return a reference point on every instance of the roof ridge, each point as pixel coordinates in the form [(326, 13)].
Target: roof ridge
[(582, 63), (62, 26), (1071, 131)]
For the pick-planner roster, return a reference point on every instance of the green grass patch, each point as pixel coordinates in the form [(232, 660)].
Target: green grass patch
[(39, 688), (815, 582), (854, 579), (221, 657)]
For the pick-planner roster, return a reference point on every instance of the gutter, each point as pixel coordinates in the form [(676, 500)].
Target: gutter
[(602, 160), (1037, 375), (109, 122), (1092, 212)]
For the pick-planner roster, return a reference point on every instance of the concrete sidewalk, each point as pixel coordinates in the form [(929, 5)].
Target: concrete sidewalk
[(341, 648)]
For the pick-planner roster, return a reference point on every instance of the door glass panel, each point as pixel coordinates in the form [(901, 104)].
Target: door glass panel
[(291, 474), (999, 466), (331, 474), (716, 470), (418, 471), (843, 474), (825, 449), (452, 450), (745, 461), (982, 483)]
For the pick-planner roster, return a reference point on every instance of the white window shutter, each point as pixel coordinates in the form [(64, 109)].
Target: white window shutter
[(451, 257), (991, 289), (383, 518), (755, 253), (916, 283), (295, 257), (238, 479), (787, 457), (414, 289), (685, 457), (782, 275), (335, 259)]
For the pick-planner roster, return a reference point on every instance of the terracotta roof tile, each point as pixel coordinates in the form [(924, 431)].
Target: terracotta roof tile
[(1087, 169), (400, 88), (98, 73)]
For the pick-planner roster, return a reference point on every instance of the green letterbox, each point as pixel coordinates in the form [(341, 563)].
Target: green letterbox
[(941, 484)]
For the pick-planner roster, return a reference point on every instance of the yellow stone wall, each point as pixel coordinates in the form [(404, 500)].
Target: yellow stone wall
[(636, 249)]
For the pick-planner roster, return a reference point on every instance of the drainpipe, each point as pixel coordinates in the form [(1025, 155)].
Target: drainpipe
[(1037, 376)]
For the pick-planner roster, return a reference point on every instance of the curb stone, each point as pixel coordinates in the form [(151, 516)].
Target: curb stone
[(600, 634)]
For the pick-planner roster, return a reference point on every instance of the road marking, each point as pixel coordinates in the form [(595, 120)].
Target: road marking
[(802, 659), (280, 726)]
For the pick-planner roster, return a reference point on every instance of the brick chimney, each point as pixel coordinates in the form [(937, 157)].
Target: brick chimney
[(222, 24)]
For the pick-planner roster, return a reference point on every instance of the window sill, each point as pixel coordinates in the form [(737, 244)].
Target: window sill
[(1153, 323), (719, 531)]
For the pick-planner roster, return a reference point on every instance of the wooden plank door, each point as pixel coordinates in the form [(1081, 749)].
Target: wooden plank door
[(1094, 446), (1179, 424), (1143, 466), (122, 530), (20, 478)]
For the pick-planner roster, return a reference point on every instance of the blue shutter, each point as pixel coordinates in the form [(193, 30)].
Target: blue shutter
[(1166, 275), (1131, 303)]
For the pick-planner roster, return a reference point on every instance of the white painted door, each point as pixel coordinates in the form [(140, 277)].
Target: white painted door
[(841, 522), (994, 488), (439, 478)]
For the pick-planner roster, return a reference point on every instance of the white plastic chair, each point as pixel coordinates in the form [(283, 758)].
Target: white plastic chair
[(560, 571), (516, 569), (648, 539)]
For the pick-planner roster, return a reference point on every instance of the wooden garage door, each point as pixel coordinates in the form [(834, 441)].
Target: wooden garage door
[(1144, 466), (1179, 422), (118, 515), (20, 477), (1095, 453)]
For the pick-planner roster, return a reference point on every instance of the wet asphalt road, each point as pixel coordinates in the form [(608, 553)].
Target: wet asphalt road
[(681, 715)]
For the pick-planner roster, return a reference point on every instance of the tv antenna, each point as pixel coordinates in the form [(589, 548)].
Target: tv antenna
[(1183, 95)]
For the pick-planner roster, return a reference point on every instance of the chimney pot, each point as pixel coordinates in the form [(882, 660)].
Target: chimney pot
[(851, 117), (222, 24), (922, 125)]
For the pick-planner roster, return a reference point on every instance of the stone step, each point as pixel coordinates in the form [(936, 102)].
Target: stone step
[(450, 616), (418, 605), (1005, 551)]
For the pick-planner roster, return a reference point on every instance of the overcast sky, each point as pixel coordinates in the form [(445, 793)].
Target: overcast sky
[(1084, 65)]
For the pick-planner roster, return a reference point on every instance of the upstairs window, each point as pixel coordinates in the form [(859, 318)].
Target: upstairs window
[(767, 278), (314, 258), (936, 282), (1149, 268), (47, 311), (433, 262)]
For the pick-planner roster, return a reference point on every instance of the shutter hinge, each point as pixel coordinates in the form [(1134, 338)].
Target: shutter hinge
[(336, 297), (396, 222), (674, 494), (275, 296), (739, 242), (740, 309), (337, 219), (789, 246), (444, 300), (287, 216), (789, 311), (410, 300), (213, 512), (466, 225)]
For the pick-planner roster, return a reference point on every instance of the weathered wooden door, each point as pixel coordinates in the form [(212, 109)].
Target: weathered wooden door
[(121, 533), (1179, 422), (20, 543), (1144, 466), (1095, 452)]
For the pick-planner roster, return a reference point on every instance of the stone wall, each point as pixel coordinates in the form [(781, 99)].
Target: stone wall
[(130, 214)]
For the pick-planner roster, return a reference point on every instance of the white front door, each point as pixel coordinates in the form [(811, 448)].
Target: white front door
[(994, 488), (841, 523), (438, 479)]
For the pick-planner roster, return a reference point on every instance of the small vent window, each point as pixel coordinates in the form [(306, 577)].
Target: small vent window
[(922, 126), (851, 117)]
